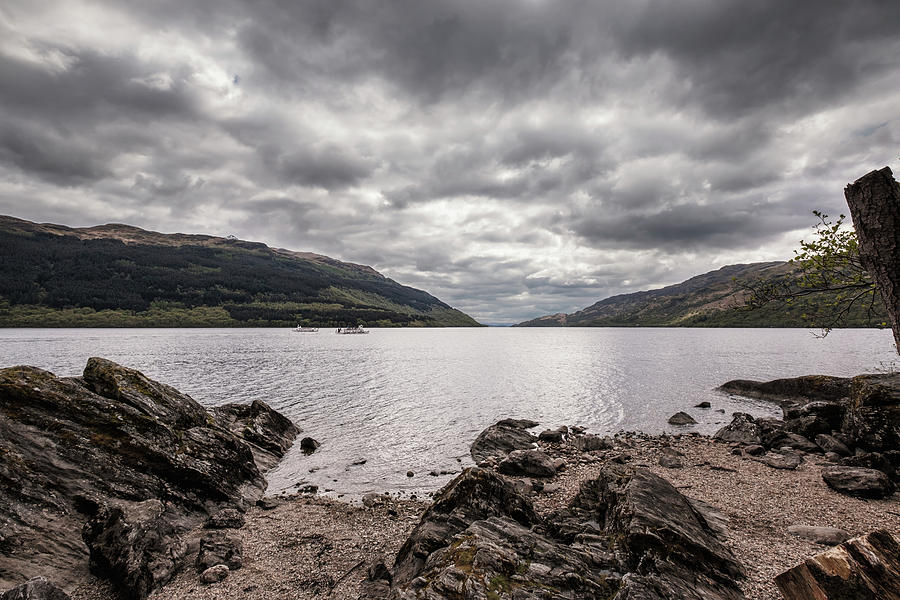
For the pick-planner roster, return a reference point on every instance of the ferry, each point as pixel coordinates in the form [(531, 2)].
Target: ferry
[(351, 330), (300, 329)]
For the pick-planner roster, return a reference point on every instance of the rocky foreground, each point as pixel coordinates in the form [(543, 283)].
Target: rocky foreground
[(164, 494)]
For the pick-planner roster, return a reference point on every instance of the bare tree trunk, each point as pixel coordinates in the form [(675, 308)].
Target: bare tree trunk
[(874, 201)]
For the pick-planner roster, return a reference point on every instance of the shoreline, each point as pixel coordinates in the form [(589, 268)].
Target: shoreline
[(313, 547)]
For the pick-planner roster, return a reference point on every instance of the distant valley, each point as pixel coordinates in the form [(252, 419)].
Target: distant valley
[(714, 299), (122, 276)]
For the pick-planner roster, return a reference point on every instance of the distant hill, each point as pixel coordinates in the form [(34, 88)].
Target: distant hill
[(122, 276), (714, 299)]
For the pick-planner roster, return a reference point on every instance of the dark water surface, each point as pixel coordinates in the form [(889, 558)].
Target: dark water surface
[(414, 399)]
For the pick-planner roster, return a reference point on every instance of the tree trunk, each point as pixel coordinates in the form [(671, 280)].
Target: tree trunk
[(874, 201), (864, 568)]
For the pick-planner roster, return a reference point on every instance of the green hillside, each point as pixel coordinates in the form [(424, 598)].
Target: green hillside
[(714, 299), (123, 276)]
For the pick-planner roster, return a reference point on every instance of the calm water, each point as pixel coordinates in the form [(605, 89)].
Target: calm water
[(414, 399)]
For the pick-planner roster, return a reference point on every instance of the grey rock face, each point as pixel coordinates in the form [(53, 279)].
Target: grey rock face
[(482, 540), (35, 589), (90, 449), (527, 463), (268, 433), (858, 481), (500, 439)]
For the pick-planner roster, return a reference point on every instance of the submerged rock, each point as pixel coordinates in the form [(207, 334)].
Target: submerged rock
[(682, 418), (500, 439), (90, 451)]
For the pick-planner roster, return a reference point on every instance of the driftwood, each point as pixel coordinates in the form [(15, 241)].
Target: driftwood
[(864, 568), (874, 201)]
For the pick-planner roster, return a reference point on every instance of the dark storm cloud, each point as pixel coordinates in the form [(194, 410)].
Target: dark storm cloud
[(512, 157)]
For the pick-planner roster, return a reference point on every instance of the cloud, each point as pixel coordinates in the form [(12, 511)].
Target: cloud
[(512, 158)]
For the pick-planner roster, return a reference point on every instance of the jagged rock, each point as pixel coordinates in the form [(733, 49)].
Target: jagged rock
[(227, 518), (79, 449), (865, 567), (35, 589), (873, 417), (742, 430), (792, 391), (858, 481), (671, 459), (309, 445), (808, 426), (220, 548), (831, 411), (137, 546), (786, 460), (482, 540), (554, 435), (682, 418), (500, 439), (269, 433), (829, 443), (828, 536), (527, 463), (214, 574), (592, 443)]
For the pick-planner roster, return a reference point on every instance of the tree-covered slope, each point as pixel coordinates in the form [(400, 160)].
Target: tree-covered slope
[(123, 276), (714, 299)]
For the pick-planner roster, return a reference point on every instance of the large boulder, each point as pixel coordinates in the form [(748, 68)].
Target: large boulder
[(743, 429), (527, 463), (858, 481), (873, 417), (35, 589), (500, 439), (268, 433), (93, 448), (628, 534)]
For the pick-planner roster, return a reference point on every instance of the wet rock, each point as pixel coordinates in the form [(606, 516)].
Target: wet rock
[(307, 488), (873, 416), (682, 418), (671, 459), (829, 443), (269, 433), (743, 429), (828, 536), (214, 574), (703, 404), (35, 589), (220, 548), (500, 439), (227, 518), (410, 474), (858, 481), (137, 546), (592, 443), (792, 391), (309, 445), (527, 463), (554, 435), (576, 430), (787, 460), (80, 449)]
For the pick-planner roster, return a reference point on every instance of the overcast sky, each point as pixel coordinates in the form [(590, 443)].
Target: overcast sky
[(513, 157)]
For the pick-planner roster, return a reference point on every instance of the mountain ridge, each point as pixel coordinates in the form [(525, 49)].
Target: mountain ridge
[(121, 275), (713, 299)]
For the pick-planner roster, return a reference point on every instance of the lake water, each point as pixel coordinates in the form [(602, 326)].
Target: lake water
[(414, 399)]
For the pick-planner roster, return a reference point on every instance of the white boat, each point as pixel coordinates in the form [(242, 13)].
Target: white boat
[(305, 329), (351, 330)]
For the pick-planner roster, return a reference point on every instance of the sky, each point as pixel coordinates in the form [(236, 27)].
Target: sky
[(515, 158)]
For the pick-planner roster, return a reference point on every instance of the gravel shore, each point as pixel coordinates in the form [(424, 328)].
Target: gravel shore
[(310, 547)]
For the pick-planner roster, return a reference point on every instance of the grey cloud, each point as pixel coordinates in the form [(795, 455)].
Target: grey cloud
[(61, 159)]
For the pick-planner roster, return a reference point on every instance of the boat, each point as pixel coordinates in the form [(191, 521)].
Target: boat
[(351, 330), (300, 329)]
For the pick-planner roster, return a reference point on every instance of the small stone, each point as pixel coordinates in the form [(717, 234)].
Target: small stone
[(433, 473), (828, 536), (682, 418), (670, 459), (788, 460), (410, 474), (371, 499), (214, 574), (703, 404), (309, 445), (309, 488), (269, 503)]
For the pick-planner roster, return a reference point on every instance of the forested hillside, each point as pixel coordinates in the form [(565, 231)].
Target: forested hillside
[(117, 275)]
